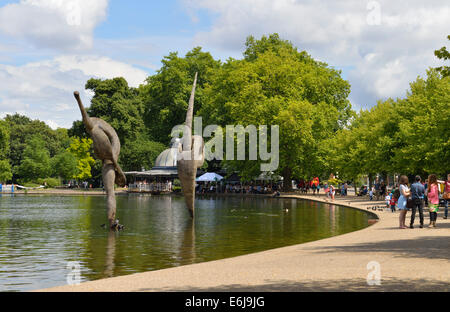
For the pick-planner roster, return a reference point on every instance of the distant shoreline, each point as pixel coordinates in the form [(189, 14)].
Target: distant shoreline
[(71, 192), (121, 191)]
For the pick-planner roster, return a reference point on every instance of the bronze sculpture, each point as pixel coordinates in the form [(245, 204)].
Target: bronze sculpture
[(192, 156), (107, 149)]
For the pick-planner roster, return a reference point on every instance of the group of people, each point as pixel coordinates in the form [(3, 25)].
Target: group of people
[(414, 196), (72, 185), (237, 188), (378, 190), (329, 189), (153, 186), (306, 186)]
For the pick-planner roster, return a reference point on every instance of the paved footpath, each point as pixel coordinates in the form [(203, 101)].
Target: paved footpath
[(410, 260)]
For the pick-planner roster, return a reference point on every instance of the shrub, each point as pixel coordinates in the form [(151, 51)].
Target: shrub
[(49, 182)]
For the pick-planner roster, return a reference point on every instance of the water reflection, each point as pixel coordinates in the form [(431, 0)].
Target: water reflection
[(40, 234), (110, 255)]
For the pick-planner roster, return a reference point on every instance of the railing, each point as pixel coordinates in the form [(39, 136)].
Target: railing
[(6, 188), (150, 188)]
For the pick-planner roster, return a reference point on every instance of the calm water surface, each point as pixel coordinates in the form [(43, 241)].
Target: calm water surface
[(39, 235)]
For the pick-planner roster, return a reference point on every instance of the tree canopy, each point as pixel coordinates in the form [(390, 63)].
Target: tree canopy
[(408, 136), (444, 55), (81, 149), (5, 167), (22, 129), (166, 94), (275, 84), (65, 165), (35, 163), (119, 105)]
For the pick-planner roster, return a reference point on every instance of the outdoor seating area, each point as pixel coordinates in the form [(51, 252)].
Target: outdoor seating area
[(152, 187)]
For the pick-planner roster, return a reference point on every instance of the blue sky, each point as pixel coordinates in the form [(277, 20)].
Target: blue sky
[(49, 48), (137, 18)]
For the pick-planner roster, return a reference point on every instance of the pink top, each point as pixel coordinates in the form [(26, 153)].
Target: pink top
[(433, 195), (447, 186)]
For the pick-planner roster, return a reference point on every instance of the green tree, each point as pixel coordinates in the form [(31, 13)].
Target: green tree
[(140, 153), (408, 136), (5, 171), (275, 84), (443, 54), (118, 104), (64, 165), (36, 160), (424, 124), (81, 149), (22, 128), (4, 139), (5, 167), (368, 145), (166, 94)]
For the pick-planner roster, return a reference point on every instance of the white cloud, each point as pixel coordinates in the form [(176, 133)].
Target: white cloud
[(52, 124), (383, 58), (44, 90), (102, 67), (60, 24)]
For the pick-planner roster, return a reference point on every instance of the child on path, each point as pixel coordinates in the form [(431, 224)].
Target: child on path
[(327, 191), (393, 202), (332, 192), (387, 200)]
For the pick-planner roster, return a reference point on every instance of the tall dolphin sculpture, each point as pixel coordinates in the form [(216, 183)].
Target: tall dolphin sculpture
[(192, 156), (106, 148)]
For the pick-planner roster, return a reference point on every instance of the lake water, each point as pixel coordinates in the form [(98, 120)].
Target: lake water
[(40, 235)]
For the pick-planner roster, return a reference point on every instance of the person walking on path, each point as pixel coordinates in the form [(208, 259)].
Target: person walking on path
[(383, 189), (402, 201), (433, 199), (377, 190), (393, 201), (446, 196), (417, 195)]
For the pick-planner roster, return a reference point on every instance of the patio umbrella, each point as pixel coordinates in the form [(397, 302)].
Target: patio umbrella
[(209, 177)]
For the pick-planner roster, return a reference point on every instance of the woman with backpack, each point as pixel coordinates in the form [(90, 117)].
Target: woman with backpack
[(402, 200), (433, 199)]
